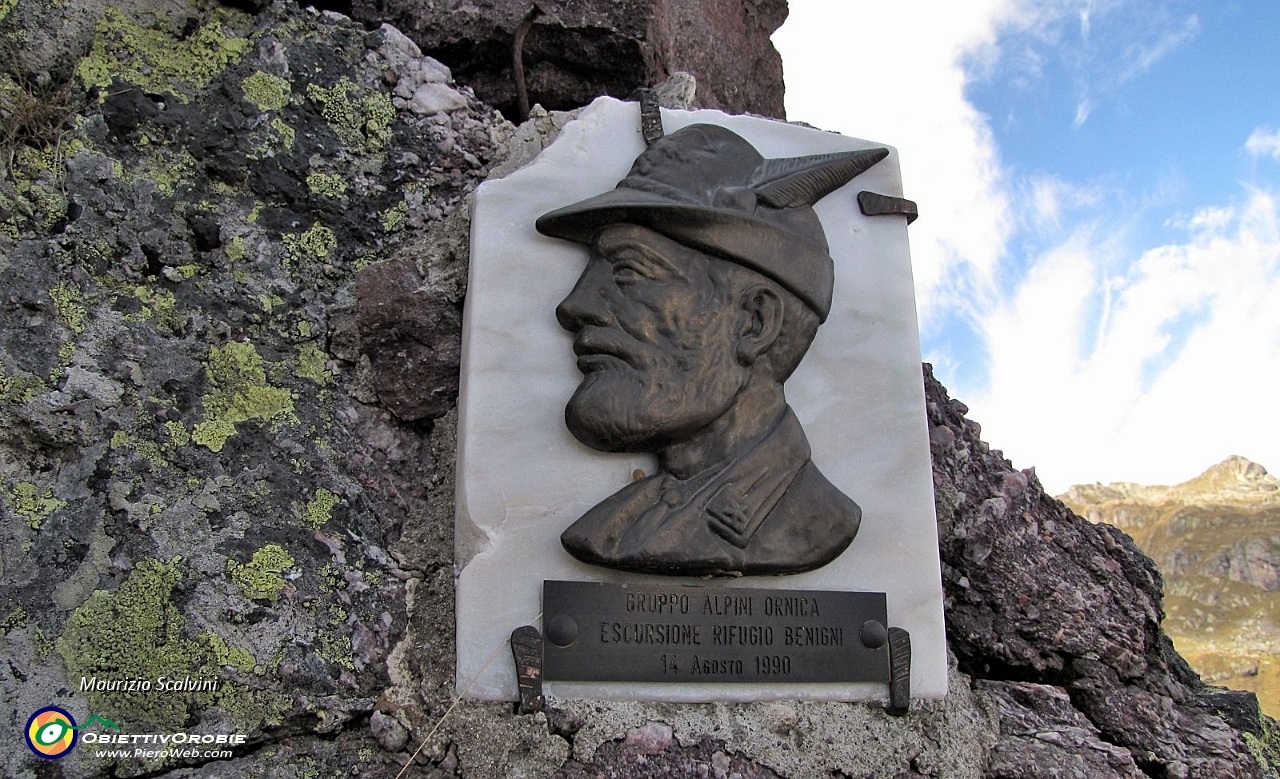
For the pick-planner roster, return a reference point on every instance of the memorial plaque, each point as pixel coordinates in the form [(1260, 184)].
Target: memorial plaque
[(835, 494), (685, 633)]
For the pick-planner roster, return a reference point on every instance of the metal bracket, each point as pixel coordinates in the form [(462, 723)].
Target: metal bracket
[(874, 204), (526, 647), (899, 671), (650, 115)]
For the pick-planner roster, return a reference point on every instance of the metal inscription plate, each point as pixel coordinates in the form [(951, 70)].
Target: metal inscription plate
[(657, 633)]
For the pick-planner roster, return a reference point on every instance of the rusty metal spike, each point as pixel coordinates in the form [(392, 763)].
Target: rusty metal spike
[(650, 116), (526, 647)]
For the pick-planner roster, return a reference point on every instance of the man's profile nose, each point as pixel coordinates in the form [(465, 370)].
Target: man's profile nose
[(581, 307)]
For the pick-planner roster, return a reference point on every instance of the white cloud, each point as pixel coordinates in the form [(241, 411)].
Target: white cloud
[(1083, 108), (1150, 377), (1104, 361), (1099, 45), (875, 71), (1142, 56), (1264, 142), (1050, 198)]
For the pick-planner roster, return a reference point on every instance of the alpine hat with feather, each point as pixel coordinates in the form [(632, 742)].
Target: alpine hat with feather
[(708, 188)]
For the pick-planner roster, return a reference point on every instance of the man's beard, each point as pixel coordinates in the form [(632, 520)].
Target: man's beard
[(619, 408)]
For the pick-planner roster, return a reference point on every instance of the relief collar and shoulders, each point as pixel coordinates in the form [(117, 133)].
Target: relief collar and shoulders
[(768, 511)]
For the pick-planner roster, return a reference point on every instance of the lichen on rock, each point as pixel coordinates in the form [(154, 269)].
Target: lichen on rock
[(261, 578), (156, 59), (180, 372), (267, 92), (125, 650), (240, 394), (27, 500), (359, 117), (319, 509)]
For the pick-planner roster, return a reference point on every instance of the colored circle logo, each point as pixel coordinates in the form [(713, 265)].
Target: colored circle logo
[(51, 732)]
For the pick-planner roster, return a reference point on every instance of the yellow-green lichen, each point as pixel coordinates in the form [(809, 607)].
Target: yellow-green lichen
[(15, 619), (69, 307), (177, 434), (165, 167), (66, 351), (48, 205), (394, 218), (157, 60), (234, 249), (267, 92), (319, 509), (38, 172), (365, 260), (240, 393), (379, 113), (270, 302), (147, 450), (42, 645), (27, 500), (136, 632), (52, 158), (236, 656), (331, 578), (337, 614), (359, 117), (286, 133), (312, 363), (159, 305), (1265, 748), (5, 7), (132, 633), (327, 184), (315, 244), (260, 578), (213, 433), (337, 650)]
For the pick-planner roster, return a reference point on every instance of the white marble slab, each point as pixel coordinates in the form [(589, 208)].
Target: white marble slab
[(522, 478)]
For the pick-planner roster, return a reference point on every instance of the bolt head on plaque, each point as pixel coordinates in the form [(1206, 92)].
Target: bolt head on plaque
[(562, 630), (873, 634)]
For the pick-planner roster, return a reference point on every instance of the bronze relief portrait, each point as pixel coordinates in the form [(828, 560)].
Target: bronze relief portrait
[(708, 277)]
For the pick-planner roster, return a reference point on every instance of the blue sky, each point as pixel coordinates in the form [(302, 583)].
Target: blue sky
[(1098, 255)]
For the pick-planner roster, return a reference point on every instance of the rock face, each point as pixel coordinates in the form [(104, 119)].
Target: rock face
[(576, 50), (1039, 596), (1216, 539), (230, 278), (197, 474)]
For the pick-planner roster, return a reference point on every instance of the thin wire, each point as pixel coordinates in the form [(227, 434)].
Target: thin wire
[(458, 700)]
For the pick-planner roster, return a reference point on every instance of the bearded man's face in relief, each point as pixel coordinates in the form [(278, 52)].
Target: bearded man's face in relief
[(656, 329)]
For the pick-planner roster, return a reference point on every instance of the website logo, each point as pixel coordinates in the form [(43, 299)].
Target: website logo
[(51, 732)]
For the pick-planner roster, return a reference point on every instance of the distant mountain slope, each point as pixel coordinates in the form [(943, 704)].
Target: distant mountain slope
[(1216, 540)]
